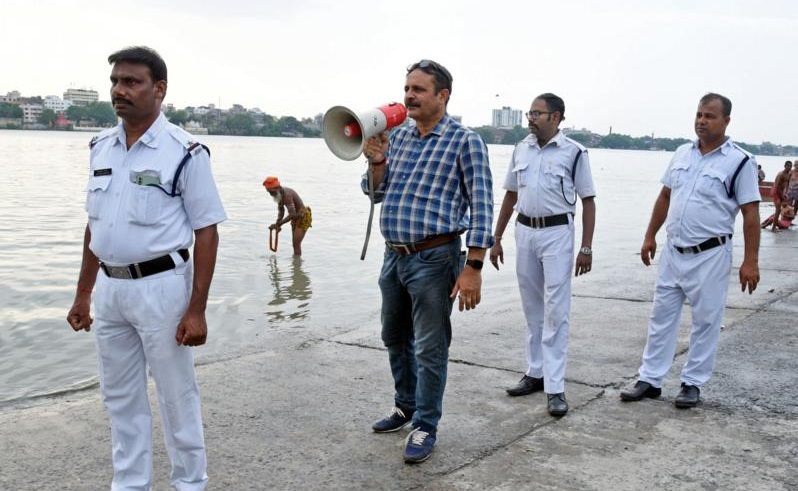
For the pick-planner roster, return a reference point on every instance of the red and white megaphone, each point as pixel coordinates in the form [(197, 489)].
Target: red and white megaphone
[(345, 132)]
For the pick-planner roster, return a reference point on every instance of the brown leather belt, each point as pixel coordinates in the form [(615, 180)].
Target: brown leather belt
[(429, 243), (542, 222)]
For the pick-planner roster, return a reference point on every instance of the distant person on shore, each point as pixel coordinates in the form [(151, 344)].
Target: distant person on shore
[(792, 186), (700, 199), (786, 217), (144, 208), (299, 215), (779, 191), (548, 172), (434, 182), (761, 173)]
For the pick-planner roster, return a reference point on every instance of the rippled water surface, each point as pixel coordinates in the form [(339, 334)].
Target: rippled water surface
[(257, 296)]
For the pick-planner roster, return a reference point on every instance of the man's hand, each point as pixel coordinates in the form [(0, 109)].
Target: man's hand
[(376, 147), (497, 254), (468, 288), (192, 330), (584, 262), (648, 250), (275, 226), (79, 316), (749, 276)]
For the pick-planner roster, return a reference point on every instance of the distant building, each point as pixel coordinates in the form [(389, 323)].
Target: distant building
[(11, 97), (31, 113), (55, 103), (81, 97), (507, 117)]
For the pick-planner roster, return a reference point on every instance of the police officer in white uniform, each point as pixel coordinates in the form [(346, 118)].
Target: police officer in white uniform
[(150, 193), (705, 185), (547, 173)]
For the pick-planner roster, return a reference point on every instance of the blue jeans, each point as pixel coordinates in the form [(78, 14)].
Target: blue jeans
[(416, 326)]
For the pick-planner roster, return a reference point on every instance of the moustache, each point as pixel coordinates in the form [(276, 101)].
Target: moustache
[(119, 99)]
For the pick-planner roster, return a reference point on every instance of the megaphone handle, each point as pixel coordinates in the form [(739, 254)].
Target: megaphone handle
[(370, 175)]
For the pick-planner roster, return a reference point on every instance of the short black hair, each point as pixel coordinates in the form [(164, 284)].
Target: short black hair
[(554, 103), (443, 79), (724, 101), (143, 55)]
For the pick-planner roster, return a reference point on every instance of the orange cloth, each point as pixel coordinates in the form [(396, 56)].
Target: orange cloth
[(271, 182)]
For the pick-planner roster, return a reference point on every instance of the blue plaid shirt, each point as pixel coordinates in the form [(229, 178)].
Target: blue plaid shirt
[(431, 182)]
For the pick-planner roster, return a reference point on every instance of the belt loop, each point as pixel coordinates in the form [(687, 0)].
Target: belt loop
[(177, 258)]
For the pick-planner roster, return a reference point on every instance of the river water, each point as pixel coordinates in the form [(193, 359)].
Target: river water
[(259, 299)]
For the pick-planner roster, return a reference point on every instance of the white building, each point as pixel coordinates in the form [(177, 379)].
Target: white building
[(507, 117), (11, 97), (81, 97), (31, 113), (56, 104)]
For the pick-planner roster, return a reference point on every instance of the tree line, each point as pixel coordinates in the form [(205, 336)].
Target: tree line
[(623, 142), (240, 122)]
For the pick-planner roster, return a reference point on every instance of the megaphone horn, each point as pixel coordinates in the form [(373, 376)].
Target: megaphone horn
[(345, 132)]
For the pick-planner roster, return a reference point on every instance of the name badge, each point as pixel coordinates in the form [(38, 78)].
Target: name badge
[(102, 172)]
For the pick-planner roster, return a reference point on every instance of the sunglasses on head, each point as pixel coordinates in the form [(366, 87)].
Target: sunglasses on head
[(426, 65)]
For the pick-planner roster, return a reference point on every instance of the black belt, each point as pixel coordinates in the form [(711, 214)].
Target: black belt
[(707, 244), (146, 268), (429, 243), (542, 222)]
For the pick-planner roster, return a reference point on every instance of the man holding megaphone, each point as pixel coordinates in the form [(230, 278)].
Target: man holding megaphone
[(434, 182)]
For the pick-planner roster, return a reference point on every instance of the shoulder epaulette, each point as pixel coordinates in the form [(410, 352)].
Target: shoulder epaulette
[(730, 191), (101, 136)]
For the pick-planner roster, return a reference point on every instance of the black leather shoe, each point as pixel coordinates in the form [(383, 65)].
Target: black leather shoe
[(525, 386), (558, 406), (639, 391), (688, 396)]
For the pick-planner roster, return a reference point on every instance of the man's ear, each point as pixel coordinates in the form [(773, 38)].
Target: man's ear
[(160, 89)]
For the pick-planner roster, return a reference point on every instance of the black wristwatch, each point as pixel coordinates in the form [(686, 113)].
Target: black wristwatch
[(474, 263)]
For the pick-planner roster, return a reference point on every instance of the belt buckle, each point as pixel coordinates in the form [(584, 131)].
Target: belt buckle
[(403, 249), (119, 272), (538, 222)]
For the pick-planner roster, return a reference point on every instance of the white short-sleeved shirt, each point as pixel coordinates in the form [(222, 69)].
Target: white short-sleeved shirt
[(700, 204), (132, 222), (542, 176)]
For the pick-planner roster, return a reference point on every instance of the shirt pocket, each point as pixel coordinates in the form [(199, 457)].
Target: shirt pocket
[(147, 201), (679, 175), (554, 176), (95, 191), (521, 170), (712, 184)]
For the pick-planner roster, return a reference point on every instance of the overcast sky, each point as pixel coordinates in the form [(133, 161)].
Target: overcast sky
[(636, 66)]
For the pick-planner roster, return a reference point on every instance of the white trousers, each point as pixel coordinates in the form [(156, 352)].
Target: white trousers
[(135, 324), (544, 263), (703, 279)]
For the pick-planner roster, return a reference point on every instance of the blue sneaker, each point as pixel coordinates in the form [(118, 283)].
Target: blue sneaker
[(395, 421), (419, 445)]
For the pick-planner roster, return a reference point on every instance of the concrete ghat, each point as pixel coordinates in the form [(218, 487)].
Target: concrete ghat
[(297, 416)]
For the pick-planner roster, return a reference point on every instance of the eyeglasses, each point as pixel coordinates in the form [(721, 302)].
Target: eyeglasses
[(426, 65), (536, 114)]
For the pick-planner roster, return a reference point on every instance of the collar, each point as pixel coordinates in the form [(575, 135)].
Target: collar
[(149, 138), (557, 139), (440, 127), (724, 147)]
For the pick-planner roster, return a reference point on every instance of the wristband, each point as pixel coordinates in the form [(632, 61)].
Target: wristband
[(377, 164), (84, 290)]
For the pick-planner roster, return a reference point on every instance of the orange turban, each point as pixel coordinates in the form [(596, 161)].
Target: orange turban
[(271, 182)]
